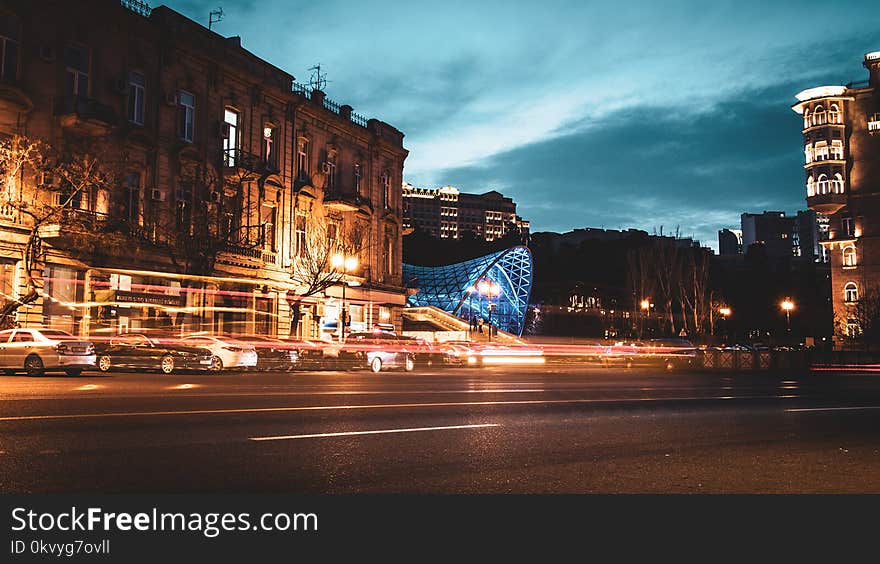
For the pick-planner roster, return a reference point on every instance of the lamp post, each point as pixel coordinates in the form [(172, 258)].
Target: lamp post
[(787, 305), (347, 263), (470, 291), (646, 306), (725, 313), (489, 289)]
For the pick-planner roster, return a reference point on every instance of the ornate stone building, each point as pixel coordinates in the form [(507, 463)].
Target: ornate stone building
[(227, 175), (841, 128)]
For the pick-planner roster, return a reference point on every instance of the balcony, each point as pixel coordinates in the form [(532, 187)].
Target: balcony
[(8, 212), (245, 162), (828, 203), (84, 114), (347, 201)]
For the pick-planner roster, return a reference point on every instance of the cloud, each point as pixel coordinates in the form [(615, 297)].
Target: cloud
[(656, 166)]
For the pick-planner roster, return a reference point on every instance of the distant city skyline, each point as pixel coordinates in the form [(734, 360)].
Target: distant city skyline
[(636, 115)]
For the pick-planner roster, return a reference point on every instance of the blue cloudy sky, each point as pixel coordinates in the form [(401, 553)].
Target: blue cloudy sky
[(589, 114)]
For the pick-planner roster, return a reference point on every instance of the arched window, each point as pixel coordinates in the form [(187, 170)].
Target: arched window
[(834, 114), (822, 184), (837, 184), (806, 118), (811, 187), (849, 256), (850, 292), (819, 116)]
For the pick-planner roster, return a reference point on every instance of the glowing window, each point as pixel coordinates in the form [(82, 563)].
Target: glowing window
[(850, 292), (849, 256)]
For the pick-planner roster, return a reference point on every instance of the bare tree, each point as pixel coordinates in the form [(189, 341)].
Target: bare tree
[(66, 191), (860, 323), (209, 215), (312, 270), (642, 283), (666, 266), (694, 290)]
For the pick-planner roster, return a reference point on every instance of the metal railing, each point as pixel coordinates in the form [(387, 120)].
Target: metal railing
[(244, 251), (138, 7), (238, 158), (329, 105)]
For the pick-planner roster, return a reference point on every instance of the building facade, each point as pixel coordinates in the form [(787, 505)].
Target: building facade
[(783, 236), (210, 146), (841, 129), (448, 213)]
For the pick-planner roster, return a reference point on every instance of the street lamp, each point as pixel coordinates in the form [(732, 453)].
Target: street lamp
[(787, 305), (470, 292), (347, 264), (489, 289), (725, 313), (646, 313)]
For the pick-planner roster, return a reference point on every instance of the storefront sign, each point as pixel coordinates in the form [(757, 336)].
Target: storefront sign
[(152, 299)]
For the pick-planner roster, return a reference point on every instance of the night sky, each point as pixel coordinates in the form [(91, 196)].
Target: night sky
[(614, 114)]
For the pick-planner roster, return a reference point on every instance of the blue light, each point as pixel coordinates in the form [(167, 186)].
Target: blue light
[(451, 287)]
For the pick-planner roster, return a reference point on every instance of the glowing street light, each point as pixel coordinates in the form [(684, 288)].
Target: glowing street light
[(489, 289), (646, 304), (724, 311), (347, 264), (471, 290), (787, 305)]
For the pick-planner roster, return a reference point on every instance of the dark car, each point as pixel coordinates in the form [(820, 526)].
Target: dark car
[(427, 353), (149, 353), (272, 354), (377, 351), (313, 354)]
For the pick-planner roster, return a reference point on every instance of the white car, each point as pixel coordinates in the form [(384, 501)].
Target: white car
[(37, 351), (228, 353)]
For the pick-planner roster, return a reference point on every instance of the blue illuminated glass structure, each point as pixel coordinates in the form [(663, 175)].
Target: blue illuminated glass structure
[(453, 288)]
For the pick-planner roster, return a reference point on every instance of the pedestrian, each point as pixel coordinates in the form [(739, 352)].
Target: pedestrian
[(480, 325)]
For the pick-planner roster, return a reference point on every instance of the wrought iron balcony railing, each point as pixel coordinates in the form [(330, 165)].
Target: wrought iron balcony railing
[(238, 158)]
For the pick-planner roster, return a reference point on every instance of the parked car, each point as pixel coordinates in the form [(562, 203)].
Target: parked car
[(37, 351), (272, 354), (226, 351), (427, 353), (376, 351), (135, 350), (313, 354)]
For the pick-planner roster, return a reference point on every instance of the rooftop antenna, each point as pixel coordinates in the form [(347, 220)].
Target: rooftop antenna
[(318, 81), (211, 17)]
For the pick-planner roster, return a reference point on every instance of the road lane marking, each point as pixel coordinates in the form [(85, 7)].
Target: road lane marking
[(378, 432), (854, 408), (369, 406), (182, 387), (87, 387)]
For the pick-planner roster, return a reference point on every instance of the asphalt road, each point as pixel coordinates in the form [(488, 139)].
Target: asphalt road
[(554, 429)]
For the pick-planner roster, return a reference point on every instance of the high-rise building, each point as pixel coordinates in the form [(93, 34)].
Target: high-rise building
[(448, 213), (841, 132), (782, 236)]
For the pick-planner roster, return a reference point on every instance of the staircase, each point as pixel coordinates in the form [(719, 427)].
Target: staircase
[(445, 321)]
